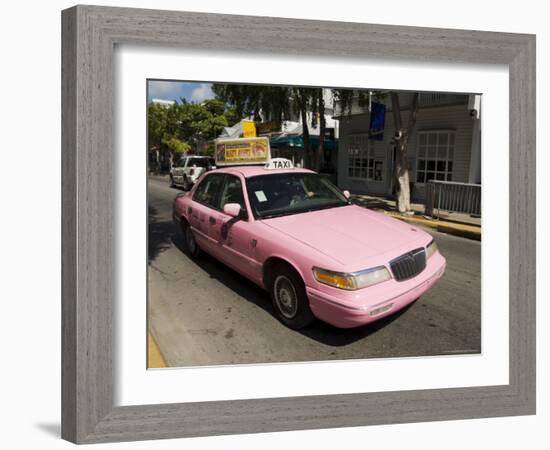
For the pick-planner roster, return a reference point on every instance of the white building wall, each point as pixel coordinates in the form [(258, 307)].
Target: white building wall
[(455, 117)]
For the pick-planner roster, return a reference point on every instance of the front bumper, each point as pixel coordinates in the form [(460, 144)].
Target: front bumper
[(348, 309)]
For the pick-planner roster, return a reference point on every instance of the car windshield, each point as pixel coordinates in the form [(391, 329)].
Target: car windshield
[(291, 193)]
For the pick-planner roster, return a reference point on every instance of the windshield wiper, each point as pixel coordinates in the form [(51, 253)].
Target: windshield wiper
[(286, 213)]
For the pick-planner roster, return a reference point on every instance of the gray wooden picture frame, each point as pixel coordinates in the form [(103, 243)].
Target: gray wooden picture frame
[(89, 36)]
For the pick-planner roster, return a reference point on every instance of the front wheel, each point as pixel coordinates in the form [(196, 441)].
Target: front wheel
[(288, 294), (191, 246)]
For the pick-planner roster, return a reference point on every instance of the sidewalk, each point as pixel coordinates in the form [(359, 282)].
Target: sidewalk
[(458, 224)]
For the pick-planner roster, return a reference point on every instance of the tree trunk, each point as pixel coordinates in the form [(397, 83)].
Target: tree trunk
[(402, 177), (322, 128), (305, 131), (401, 138)]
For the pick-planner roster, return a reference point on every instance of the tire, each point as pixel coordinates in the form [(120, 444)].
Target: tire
[(186, 185), (288, 294), (190, 244), (172, 181)]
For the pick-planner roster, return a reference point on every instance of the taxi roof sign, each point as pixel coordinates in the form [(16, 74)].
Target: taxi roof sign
[(242, 151), (279, 163)]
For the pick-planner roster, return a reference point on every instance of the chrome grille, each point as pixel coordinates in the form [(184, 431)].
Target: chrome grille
[(408, 265)]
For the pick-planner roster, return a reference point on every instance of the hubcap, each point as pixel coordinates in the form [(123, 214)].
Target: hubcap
[(285, 296)]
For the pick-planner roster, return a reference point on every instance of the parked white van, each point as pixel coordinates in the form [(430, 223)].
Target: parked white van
[(188, 169)]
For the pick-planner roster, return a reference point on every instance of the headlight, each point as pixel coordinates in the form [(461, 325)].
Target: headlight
[(352, 281), (431, 249)]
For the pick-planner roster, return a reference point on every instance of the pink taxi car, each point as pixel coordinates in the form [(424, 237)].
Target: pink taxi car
[(298, 236)]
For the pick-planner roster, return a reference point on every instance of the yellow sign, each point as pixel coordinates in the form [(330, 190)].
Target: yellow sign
[(249, 129), (242, 151)]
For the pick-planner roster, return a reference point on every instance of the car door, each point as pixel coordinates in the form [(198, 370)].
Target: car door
[(177, 171), (234, 237), (204, 208)]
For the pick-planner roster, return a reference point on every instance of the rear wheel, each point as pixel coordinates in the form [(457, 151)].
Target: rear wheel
[(191, 246), (288, 294)]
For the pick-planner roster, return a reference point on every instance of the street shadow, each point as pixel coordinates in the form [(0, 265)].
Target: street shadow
[(227, 276), (340, 337), (249, 291), (159, 234)]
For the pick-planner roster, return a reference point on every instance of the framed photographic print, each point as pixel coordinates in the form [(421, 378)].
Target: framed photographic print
[(278, 230)]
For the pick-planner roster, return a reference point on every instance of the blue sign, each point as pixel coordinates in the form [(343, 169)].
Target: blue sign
[(377, 121)]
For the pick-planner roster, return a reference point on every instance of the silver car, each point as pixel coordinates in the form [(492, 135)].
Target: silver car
[(188, 169)]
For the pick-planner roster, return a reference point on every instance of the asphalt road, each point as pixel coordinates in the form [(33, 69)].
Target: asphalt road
[(200, 312)]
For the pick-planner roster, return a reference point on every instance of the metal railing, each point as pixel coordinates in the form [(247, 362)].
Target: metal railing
[(452, 196)]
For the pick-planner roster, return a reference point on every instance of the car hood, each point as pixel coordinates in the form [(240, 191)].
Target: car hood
[(350, 234)]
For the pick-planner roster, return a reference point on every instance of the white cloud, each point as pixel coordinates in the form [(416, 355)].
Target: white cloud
[(203, 92), (167, 90)]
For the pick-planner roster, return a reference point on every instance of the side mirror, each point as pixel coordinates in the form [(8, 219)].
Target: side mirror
[(347, 194), (232, 209)]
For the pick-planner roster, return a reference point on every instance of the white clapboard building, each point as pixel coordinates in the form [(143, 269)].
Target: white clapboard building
[(445, 144)]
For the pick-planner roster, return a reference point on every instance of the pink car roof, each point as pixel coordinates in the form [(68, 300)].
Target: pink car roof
[(252, 171)]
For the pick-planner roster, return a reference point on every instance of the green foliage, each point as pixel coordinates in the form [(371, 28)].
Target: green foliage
[(174, 144), (157, 117), (248, 100), (209, 150), (276, 104), (181, 126)]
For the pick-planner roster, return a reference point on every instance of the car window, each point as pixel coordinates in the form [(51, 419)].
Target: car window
[(232, 192), (208, 191), (292, 193), (181, 162), (199, 162)]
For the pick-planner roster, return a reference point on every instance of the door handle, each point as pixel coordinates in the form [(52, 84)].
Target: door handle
[(212, 221)]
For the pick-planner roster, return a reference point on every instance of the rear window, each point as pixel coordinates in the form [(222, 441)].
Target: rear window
[(199, 162)]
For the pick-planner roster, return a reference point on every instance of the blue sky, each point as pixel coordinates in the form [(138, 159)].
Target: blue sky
[(174, 90)]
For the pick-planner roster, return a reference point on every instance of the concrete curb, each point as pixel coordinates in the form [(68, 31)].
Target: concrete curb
[(155, 360), (456, 229)]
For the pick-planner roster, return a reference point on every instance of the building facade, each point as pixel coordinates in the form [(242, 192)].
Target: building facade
[(444, 145)]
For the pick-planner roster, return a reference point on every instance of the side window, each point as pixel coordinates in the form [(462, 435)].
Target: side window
[(232, 192), (208, 191)]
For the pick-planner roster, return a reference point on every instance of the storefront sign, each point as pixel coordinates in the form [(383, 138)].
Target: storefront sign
[(249, 129)]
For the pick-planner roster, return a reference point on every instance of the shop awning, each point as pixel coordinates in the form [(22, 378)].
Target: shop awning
[(297, 141)]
